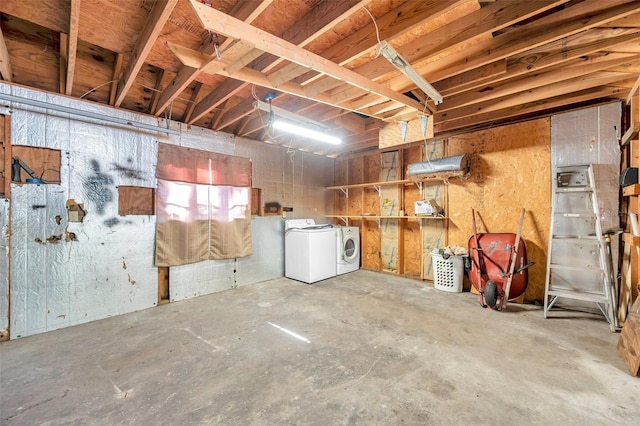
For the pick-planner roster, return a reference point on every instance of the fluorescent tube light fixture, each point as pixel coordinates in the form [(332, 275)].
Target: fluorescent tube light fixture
[(305, 132), (390, 54), (307, 128), (266, 107)]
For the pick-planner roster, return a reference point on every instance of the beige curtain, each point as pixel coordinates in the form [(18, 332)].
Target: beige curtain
[(202, 206)]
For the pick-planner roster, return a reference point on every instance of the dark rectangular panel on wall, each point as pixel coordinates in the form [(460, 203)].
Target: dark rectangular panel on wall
[(135, 200)]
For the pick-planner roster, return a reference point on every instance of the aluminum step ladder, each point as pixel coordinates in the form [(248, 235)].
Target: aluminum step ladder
[(579, 262)]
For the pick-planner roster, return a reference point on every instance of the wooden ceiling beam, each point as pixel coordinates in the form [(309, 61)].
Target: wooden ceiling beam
[(565, 23), (324, 16), (192, 102), (475, 25), (253, 125), (319, 20), (72, 45), (214, 20), (552, 90), (247, 11), (5, 62), (62, 63), (531, 108), (570, 70), (632, 92), (155, 96), (157, 18), (391, 25), (286, 73), (532, 61), (472, 78), (117, 70)]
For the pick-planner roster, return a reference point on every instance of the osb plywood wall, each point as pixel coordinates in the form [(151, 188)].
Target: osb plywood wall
[(510, 170)]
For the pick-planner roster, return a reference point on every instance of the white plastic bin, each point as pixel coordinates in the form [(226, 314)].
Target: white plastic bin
[(448, 274)]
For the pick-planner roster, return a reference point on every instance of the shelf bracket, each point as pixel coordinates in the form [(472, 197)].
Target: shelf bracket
[(345, 191), (419, 185), (344, 219), (379, 189)]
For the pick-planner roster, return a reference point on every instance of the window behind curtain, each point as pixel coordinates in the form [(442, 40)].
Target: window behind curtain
[(203, 206)]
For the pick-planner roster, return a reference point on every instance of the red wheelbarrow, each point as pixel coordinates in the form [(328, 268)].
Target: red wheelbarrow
[(498, 265)]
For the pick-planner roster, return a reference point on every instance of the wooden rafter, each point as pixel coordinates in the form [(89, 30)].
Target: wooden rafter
[(633, 91), (393, 24), (115, 77), (156, 93), (540, 93), (565, 23), (192, 102), (62, 63), (247, 11), (475, 25), (323, 17), (5, 62), (602, 92), (577, 68), (157, 18), (72, 45), (217, 21), (531, 61)]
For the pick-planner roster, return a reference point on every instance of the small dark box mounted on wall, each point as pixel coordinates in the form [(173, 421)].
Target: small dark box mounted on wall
[(629, 176)]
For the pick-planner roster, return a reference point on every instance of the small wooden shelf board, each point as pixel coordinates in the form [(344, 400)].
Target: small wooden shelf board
[(630, 134), (345, 218), (417, 180)]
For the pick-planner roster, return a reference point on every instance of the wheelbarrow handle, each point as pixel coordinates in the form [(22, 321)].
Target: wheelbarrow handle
[(524, 267)]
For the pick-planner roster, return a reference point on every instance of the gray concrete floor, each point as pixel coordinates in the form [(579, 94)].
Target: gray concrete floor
[(379, 349)]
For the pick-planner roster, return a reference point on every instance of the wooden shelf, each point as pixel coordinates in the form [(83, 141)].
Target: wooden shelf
[(630, 134), (415, 180), (630, 190), (372, 184), (630, 239), (365, 217)]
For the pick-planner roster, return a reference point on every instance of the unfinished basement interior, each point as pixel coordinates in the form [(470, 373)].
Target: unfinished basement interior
[(319, 212)]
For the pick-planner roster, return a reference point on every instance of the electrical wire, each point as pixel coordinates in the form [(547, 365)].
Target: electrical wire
[(374, 23), (97, 87)]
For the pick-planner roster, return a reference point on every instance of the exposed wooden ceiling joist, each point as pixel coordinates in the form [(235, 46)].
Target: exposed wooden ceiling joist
[(247, 11), (5, 60), (493, 61), (216, 21), (157, 18), (319, 20), (490, 118), (72, 45)]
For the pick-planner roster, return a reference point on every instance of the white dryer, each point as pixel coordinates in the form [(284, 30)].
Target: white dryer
[(348, 249), (309, 250)]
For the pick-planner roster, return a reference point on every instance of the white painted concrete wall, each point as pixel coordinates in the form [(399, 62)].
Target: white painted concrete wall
[(109, 270), (4, 264)]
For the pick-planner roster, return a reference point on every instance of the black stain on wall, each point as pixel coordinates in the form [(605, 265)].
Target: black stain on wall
[(128, 171), (98, 187), (112, 222)]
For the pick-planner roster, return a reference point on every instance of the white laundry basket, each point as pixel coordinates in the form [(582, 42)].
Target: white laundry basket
[(448, 274)]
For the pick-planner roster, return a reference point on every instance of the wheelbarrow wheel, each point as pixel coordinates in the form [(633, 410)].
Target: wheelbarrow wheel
[(491, 293)]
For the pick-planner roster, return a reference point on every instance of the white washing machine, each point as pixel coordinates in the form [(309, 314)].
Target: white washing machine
[(309, 250), (348, 249)]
